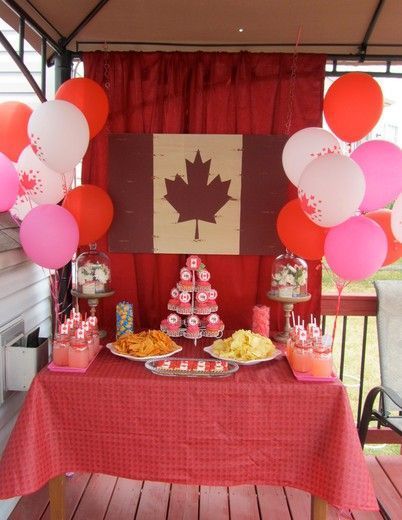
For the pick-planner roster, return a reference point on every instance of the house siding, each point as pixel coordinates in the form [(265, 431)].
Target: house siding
[(24, 286)]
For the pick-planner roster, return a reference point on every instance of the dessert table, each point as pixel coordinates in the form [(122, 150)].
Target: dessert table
[(258, 426)]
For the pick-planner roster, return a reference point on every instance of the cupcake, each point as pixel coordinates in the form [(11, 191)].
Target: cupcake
[(214, 327), (184, 306), (203, 283), (202, 306), (163, 325), (193, 328), (193, 262), (173, 325), (186, 280), (174, 300), (212, 295)]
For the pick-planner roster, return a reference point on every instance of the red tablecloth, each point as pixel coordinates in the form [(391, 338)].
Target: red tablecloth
[(259, 426)]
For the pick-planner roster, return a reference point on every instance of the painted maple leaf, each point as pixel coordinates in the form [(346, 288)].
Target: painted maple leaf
[(196, 199), (311, 206), (30, 182), (306, 204)]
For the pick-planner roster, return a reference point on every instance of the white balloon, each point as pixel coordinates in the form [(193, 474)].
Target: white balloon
[(396, 218), (331, 189), (303, 147), (42, 184), (22, 207), (59, 134)]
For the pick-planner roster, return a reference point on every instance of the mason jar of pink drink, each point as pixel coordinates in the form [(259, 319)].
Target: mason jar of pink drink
[(302, 356), (61, 345), (321, 362), (289, 349), (78, 354)]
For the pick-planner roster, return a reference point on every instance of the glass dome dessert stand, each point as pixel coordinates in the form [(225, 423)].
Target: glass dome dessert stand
[(288, 305), (93, 302)]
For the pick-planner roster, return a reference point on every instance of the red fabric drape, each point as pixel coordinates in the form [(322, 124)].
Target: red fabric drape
[(201, 92)]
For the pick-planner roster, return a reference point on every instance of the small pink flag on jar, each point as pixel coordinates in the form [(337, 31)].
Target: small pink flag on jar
[(260, 323)]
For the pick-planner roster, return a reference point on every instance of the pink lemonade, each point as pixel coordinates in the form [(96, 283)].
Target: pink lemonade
[(60, 355), (78, 354), (321, 364), (61, 345), (301, 359)]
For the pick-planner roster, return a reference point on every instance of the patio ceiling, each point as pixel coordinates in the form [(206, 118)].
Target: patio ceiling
[(341, 27)]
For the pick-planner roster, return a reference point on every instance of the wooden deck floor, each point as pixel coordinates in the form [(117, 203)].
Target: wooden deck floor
[(98, 497)]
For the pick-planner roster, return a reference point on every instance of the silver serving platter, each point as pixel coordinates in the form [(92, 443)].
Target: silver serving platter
[(152, 366)]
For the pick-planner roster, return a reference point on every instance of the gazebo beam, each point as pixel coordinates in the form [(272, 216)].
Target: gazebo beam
[(370, 28)]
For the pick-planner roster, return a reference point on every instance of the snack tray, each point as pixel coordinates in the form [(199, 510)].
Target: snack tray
[(276, 354), (113, 350), (177, 372), (72, 370), (306, 377)]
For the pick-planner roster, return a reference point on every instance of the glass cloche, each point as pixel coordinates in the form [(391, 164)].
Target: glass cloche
[(289, 276), (92, 273)]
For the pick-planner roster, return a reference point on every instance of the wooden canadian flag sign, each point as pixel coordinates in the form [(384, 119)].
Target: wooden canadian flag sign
[(217, 194)]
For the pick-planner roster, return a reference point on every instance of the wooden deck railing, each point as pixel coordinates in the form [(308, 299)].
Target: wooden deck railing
[(364, 305)]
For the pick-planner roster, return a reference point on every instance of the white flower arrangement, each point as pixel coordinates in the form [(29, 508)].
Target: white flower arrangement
[(93, 272), (292, 275)]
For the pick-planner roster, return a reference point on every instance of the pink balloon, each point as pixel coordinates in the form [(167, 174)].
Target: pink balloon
[(381, 163), (9, 183), (49, 235), (356, 249)]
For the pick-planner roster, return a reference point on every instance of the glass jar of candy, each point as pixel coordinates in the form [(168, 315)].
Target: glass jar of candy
[(289, 276), (92, 273)]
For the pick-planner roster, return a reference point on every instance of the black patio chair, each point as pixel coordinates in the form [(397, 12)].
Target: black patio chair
[(389, 330)]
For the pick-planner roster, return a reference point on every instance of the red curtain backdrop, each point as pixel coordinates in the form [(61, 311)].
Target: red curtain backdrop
[(212, 93)]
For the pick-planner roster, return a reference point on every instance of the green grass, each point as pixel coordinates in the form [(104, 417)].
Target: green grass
[(354, 338), (389, 272)]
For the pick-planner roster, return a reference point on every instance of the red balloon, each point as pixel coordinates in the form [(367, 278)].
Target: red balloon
[(353, 106), (383, 218), (92, 208), (90, 98), (298, 233), (14, 138)]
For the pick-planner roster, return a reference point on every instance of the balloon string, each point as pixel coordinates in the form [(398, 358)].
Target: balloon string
[(107, 83), (63, 303), (58, 307), (292, 84), (54, 291), (340, 285), (298, 38)]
